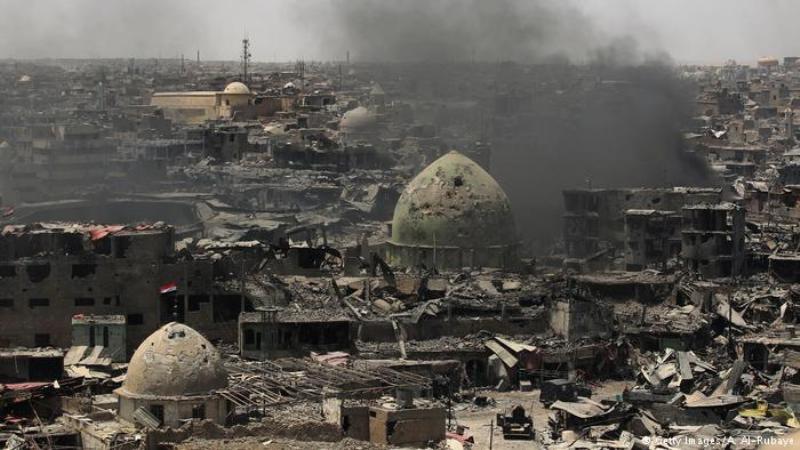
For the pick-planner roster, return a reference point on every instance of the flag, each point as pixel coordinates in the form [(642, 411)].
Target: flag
[(172, 286)]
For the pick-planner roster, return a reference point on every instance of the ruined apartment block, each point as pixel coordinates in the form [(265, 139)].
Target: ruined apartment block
[(713, 239), (52, 272), (652, 238), (595, 219)]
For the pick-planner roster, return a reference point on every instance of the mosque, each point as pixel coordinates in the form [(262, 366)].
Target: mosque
[(194, 107), (452, 215)]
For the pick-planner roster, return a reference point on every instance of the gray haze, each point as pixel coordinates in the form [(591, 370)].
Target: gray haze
[(622, 134), (689, 30), (459, 30)]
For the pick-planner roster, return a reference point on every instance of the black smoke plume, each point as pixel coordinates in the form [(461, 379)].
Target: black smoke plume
[(563, 104)]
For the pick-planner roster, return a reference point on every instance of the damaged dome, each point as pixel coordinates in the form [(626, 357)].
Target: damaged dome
[(174, 361), (453, 203), (357, 120)]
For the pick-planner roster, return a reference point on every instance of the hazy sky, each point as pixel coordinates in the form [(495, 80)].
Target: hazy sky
[(689, 30)]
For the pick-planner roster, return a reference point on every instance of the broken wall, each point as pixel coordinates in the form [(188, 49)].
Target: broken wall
[(575, 320)]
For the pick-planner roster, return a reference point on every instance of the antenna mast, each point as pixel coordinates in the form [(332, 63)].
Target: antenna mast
[(246, 59)]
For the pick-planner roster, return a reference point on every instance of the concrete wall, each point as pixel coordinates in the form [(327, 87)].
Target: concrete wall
[(579, 319), (197, 107), (175, 410), (115, 332), (185, 108), (406, 426), (354, 420)]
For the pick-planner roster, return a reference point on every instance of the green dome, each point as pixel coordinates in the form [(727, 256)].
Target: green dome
[(453, 203)]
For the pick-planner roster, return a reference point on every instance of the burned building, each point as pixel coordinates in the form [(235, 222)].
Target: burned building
[(651, 238), (741, 160), (270, 334), (49, 273), (785, 267), (594, 219), (713, 239), (722, 102), (226, 143), (175, 374), (452, 215), (30, 364)]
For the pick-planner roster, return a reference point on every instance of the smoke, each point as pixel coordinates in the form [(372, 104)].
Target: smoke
[(91, 28), (595, 126), (492, 30), (588, 104), (578, 107), (458, 30)]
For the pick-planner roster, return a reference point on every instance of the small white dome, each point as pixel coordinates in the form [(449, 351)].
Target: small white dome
[(236, 88)]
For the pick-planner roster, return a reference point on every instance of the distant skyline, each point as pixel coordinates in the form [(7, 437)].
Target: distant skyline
[(690, 31)]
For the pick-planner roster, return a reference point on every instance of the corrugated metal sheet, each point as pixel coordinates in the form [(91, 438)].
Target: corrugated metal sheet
[(74, 354), (144, 417), (584, 409), (504, 355), (515, 347), (96, 357), (87, 356), (24, 386)]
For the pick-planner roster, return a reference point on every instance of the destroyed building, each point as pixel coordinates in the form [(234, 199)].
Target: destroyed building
[(53, 272), (713, 239), (269, 334), (596, 216), (652, 238), (48, 159)]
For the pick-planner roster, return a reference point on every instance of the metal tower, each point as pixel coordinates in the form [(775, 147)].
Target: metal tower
[(246, 59)]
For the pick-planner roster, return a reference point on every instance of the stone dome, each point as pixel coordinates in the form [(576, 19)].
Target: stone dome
[(236, 88), (358, 119), (453, 203), (175, 361)]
